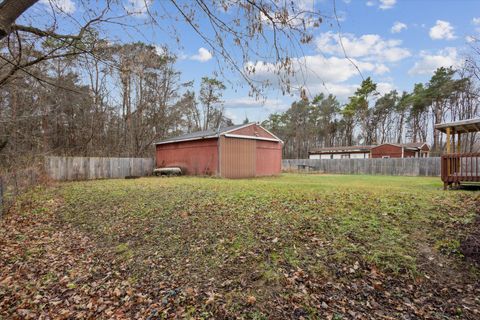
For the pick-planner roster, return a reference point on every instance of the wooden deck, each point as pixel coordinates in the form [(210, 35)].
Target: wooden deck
[(458, 168)]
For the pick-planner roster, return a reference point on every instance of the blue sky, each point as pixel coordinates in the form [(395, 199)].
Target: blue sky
[(396, 42)]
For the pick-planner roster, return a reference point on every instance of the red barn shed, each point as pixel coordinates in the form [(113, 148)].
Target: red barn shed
[(239, 151)]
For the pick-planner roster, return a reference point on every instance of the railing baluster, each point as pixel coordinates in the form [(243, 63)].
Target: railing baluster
[(458, 167)]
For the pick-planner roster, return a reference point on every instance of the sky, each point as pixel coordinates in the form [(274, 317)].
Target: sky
[(395, 42)]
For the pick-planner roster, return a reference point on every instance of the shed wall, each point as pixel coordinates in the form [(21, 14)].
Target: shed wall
[(198, 157), (268, 158), (253, 131)]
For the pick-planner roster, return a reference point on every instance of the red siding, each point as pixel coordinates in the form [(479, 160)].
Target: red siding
[(391, 151), (387, 150), (409, 154), (268, 158), (254, 131), (198, 157)]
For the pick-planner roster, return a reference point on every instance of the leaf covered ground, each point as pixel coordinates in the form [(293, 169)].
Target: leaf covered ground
[(295, 246)]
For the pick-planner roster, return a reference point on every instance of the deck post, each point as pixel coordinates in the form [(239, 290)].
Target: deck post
[(453, 132), (448, 151), (458, 167), (459, 143), (448, 140)]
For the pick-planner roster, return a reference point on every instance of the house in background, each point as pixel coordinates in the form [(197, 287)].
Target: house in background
[(240, 151), (386, 150), (348, 152), (405, 150)]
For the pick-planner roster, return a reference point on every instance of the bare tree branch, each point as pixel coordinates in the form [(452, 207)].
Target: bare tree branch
[(10, 10)]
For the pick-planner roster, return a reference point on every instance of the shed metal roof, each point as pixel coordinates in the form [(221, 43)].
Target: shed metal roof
[(463, 126), (208, 134)]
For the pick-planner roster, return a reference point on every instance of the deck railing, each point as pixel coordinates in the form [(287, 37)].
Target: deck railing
[(460, 167)]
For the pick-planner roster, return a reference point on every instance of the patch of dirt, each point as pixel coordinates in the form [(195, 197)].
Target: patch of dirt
[(470, 246)]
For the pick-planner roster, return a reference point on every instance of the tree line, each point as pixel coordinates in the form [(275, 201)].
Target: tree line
[(70, 85), (118, 103), (372, 118)]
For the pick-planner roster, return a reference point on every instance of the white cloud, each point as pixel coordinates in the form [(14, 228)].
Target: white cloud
[(329, 71), (316, 69), (428, 63), (160, 50), (341, 91), (138, 7), (387, 4), (66, 6), (470, 39), (203, 55), (398, 27), (344, 91), (272, 105), (381, 69), (442, 30), (331, 75), (382, 4), (370, 47), (299, 14), (476, 21), (384, 87), (232, 116), (305, 5), (318, 74)]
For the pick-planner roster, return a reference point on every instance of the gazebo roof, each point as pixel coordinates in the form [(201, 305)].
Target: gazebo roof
[(463, 126)]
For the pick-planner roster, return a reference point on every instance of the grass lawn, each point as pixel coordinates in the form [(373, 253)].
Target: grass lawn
[(295, 246)]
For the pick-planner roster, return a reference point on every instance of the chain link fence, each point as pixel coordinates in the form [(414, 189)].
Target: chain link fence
[(13, 184)]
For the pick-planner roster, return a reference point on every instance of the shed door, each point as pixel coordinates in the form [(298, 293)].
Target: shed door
[(237, 157)]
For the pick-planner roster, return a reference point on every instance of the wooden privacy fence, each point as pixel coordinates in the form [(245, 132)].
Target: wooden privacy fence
[(391, 166), (83, 168)]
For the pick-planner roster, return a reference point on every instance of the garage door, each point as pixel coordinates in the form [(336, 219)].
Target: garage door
[(237, 157)]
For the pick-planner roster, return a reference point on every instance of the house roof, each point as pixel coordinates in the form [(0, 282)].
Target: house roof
[(208, 134), (411, 145), (463, 126), (353, 149), (342, 149)]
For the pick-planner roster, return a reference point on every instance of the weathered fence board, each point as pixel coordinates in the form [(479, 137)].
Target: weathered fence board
[(392, 166), (83, 168)]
